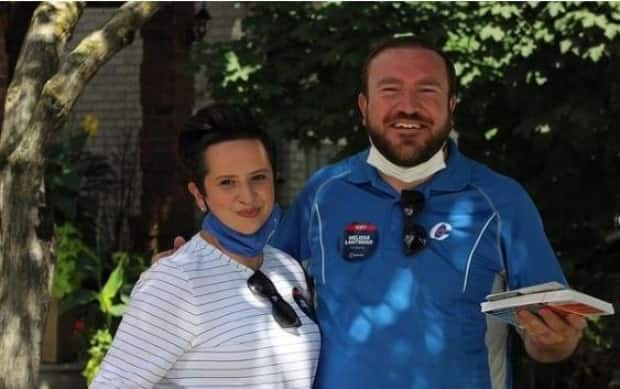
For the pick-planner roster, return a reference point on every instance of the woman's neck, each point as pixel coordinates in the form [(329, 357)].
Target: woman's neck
[(253, 263)]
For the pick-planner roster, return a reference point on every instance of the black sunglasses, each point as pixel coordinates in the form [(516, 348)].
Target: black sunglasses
[(281, 311), (414, 235)]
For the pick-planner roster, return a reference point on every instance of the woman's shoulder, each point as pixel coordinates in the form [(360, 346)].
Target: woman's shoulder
[(275, 257), (193, 255)]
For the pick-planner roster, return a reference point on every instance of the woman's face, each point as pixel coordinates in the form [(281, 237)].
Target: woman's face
[(239, 184)]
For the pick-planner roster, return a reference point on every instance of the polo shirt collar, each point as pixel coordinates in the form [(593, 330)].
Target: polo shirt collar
[(454, 177)]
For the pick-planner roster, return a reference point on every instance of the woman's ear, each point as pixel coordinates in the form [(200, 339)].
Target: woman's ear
[(199, 199)]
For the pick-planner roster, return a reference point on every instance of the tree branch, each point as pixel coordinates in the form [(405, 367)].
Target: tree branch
[(51, 27), (62, 90)]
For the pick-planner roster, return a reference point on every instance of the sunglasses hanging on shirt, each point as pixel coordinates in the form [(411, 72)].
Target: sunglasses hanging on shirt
[(414, 235), (281, 311)]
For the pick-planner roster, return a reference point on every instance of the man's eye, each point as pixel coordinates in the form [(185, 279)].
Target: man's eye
[(227, 183), (428, 90), (259, 177)]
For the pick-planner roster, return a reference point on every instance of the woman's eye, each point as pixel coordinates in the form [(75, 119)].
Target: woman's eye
[(259, 177), (227, 183)]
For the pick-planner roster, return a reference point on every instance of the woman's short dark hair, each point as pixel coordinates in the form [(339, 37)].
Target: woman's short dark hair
[(216, 123)]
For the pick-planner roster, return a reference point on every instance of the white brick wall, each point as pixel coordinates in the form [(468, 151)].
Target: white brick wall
[(113, 96)]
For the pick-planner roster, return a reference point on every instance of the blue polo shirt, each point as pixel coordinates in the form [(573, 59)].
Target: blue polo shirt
[(394, 321)]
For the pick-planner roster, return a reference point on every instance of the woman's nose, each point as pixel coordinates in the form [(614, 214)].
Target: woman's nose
[(247, 194)]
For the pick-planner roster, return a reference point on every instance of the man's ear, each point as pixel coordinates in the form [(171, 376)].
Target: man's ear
[(199, 199), (362, 105), (452, 104)]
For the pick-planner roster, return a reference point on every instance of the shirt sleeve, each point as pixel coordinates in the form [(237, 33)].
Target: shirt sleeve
[(529, 255), (157, 328)]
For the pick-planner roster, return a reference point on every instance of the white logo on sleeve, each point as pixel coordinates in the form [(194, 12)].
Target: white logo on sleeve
[(440, 231)]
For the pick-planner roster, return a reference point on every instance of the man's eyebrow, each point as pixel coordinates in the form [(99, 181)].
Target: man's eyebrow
[(431, 82), (396, 81), (389, 81), (225, 176)]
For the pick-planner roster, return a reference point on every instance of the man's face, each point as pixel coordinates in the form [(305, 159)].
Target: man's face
[(407, 110)]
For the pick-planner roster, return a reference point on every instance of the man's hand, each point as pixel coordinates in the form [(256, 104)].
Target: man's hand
[(178, 242), (549, 337)]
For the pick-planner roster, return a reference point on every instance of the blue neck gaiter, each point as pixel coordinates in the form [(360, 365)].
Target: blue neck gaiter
[(238, 243)]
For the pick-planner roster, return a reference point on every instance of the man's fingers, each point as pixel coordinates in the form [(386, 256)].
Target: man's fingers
[(549, 328), (553, 320), (528, 320), (161, 255), (178, 242), (535, 327), (577, 322)]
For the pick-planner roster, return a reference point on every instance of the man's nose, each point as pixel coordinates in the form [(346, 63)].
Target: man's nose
[(408, 104)]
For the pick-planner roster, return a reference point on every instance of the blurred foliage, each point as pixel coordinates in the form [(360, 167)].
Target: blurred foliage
[(75, 176), (72, 259), (99, 344), (112, 299), (539, 101), (91, 282), (92, 292)]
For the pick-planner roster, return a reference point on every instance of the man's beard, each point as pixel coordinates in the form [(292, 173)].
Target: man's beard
[(422, 151)]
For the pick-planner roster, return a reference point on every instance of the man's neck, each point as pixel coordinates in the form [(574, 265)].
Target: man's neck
[(399, 185)]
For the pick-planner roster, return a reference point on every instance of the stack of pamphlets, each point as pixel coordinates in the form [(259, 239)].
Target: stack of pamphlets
[(552, 295)]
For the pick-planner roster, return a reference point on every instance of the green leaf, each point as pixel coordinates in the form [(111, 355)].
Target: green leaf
[(555, 8), (490, 134), (111, 288), (596, 53), (118, 310), (565, 45), (490, 31)]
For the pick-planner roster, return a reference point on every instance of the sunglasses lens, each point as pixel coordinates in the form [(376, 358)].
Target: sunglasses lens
[(260, 285), (281, 311), (414, 239), (414, 235), (284, 315)]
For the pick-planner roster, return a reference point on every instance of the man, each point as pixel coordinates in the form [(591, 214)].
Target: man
[(406, 239)]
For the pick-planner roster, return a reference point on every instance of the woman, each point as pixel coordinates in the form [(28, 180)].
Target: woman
[(226, 310)]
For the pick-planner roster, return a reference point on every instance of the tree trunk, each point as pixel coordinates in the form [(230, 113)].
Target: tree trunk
[(4, 58), (36, 107), (167, 99)]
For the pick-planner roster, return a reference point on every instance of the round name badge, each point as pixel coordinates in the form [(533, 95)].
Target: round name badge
[(358, 241)]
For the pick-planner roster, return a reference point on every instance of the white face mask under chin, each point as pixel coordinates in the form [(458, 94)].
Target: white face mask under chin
[(406, 174)]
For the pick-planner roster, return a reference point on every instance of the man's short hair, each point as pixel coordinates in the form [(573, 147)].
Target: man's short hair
[(409, 42)]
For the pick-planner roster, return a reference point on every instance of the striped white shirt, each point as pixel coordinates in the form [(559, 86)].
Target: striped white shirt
[(192, 322)]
